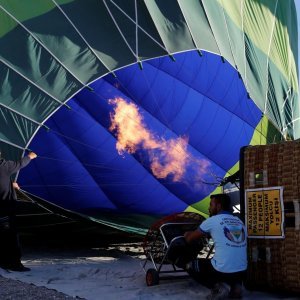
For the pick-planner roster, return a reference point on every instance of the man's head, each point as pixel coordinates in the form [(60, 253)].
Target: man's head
[(219, 202)]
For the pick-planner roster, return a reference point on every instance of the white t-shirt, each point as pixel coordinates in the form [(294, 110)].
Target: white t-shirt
[(229, 235)]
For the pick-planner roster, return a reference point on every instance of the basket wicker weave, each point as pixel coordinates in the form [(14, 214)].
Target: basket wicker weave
[(275, 263)]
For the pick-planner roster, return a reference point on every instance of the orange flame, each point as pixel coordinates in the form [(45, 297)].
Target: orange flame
[(172, 160), (128, 124), (167, 157)]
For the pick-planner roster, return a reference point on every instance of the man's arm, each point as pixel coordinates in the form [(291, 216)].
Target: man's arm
[(191, 236), (14, 166)]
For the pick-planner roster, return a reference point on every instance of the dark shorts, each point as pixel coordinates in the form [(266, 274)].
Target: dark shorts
[(203, 271)]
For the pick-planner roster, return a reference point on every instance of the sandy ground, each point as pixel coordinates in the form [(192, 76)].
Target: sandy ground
[(94, 272), (14, 289)]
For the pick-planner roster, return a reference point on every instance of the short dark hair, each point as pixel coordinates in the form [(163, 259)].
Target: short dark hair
[(224, 200)]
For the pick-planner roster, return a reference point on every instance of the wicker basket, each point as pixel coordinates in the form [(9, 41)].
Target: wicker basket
[(275, 262)]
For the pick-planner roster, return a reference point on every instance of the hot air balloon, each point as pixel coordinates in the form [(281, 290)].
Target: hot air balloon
[(138, 109)]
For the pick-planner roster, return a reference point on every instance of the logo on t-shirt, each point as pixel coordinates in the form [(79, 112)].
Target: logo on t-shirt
[(235, 234)]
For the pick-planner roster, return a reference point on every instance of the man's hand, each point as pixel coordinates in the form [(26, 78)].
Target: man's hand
[(187, 233), (16, 186), (32, 155)]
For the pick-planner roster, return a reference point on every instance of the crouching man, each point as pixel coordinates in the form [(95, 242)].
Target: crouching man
[(224, 273)]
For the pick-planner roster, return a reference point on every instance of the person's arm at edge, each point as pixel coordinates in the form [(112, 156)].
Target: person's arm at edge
[(15, 166)]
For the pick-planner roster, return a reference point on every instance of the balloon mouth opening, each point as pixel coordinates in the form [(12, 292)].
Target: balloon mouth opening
[(167, 131)]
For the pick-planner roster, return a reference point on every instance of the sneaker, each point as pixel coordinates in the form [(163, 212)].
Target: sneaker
[(219, 291), (236, 292), (18, 268)]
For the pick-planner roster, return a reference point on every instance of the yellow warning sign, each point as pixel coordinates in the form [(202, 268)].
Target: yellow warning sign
[(264, 212)]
